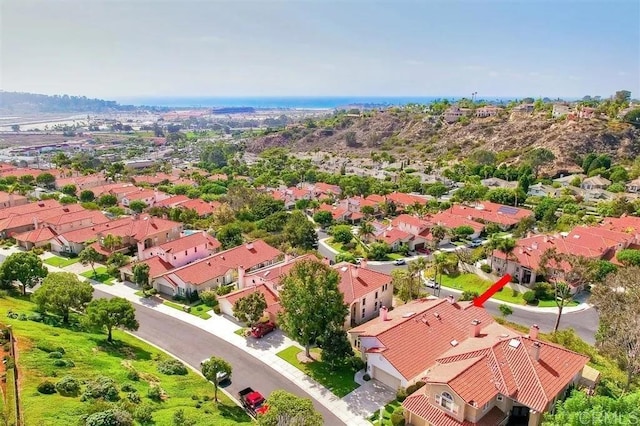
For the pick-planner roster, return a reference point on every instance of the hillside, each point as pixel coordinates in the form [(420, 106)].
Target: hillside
[(18, 102), (418, 136)]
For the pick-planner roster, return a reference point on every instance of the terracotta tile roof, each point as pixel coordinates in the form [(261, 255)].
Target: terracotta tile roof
[(5, 197), (201, 271), (81, 182), (327, 188), (17, 221), (172, 201), (410, 220), (88, 233), (193, 240), (375, 198), (425, 407), (355, 281), (157, 266), (201, 207), (273, 274), (29, 208), (453, 221), (393, 235), (36, 236), (270, 297), (24, 172), (401, 199), (628, 224), (248, 255), (141, 194), (336, 212), (96, 217), (491, 212), (113, 188)]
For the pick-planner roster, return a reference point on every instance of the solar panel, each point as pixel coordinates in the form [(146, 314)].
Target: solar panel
[(508, 210)]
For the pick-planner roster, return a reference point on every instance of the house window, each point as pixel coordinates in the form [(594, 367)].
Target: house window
[(364, 301), (375, 306), (362, 312), (445, 401), (186, 252), (499, 398), (485, 407), (195, 249), (376, 294)]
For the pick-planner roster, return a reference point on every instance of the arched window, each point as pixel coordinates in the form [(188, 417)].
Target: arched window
[(446, 400)]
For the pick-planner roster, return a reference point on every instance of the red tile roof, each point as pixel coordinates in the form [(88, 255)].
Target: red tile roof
[(37, 217), (36, 236), (193, 240), (201, 271), (141, 194), (6, 197), (201, 207), (401, 199), (336, 212), (29, 208), (356, 282), (96, 217), (248, 255), (88, 233), (491, 212), (172, 201), (393, 235), (157, 266), (270, 297), (453, 221), (425, 407), (410, 220), (628, 224), (273, 274)]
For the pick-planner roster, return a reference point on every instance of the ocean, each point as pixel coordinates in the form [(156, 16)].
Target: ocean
[(301, 102)]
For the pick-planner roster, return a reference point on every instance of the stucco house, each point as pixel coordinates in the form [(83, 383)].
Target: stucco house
[(183, 250), (595, 182), (12, 200)]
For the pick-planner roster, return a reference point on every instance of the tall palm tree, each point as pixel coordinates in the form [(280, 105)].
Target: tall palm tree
[(438, 233), (507, 246), (415, 269), (111, 241), (365, 231), (563, 295)]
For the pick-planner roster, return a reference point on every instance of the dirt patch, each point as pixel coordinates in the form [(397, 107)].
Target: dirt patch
[(304, 359)]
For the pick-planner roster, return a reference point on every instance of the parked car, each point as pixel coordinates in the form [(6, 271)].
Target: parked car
[(399, 262), (475, 243), (221, 376), (262, 329), (431, 283), (252, 401)]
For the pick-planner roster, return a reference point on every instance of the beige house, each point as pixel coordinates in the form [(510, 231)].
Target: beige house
[(595, 182)]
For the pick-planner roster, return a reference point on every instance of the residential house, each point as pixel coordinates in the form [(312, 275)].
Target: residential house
[(222, 268), (20, 223), (499, 183), (171, 202), (394, 237), (626, 224), (404, 201), (226, 303), (488, 212), (452, 221), (22, 209), (73, 242), (148, 196), (560, 110), (415, 226), (565, 181), (201, 207), (324, 190), (339, 214), (524, 108), (634, 186), (488, 111), (119, 190), (594, 242), (355, 205), (454, 113), (542, 190), (595, 182), (183, 250), (82, 182), (456, 349), (12, 200)]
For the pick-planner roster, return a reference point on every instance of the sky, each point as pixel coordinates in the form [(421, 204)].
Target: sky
[(117, 49)]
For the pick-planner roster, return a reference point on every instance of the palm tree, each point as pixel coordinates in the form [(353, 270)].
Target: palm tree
[(563, 295), (111, 241), (507, 246), (492, 244), (415, 269), (438, 233), (365, 231)]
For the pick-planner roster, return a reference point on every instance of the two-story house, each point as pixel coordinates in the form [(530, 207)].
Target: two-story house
[(595, 182), (11, 200), (415, 226), (183, 250), (147, 196)]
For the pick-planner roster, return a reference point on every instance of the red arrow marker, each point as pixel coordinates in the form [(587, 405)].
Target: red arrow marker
[(479, 301)]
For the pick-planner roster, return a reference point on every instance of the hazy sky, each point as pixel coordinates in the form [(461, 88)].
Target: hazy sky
[(115, 49)]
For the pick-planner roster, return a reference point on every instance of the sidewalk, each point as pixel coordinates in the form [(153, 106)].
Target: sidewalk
[(362, 403)]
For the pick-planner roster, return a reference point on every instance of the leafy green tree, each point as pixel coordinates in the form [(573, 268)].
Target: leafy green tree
[(180, 419), (378, 251), (211, 368), (111, 241), (405, 285), (505, 310), (87, 196), (629, 257), (265, 205), (141, 276), (437, 189), (137, 206), (506, 246), (110, 313), (438, 232), (288, 409), (46, 179), (312, 302), (70, 190), (342, 234), (89, 256), (366, 231), (230, 236), (250, 309), (581, 409), (107, 200), (323, 218), (25, 268), (62, 292), (539, 157), (299, 231), (618, 304), (463, 231), (633, 117), (336, 348)]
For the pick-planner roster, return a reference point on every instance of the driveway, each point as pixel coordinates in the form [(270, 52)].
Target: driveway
[(192, 345)]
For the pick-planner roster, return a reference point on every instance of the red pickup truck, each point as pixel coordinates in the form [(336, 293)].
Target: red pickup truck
[(262, 329), (252, 401)]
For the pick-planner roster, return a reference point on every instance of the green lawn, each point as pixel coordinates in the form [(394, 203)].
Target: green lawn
[(386, 414), (101, 275), (61, 262), (552, 304), (472, 282), (94, 357), (199, 310), (240, 331), (395, 256), (340, 382)]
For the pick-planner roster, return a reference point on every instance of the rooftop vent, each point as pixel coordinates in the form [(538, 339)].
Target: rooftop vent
[(514, 343), (408, 315), (454, 343), (437, 315), (344, 269)]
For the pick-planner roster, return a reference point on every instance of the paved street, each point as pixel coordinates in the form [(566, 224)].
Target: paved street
[(192, 345)]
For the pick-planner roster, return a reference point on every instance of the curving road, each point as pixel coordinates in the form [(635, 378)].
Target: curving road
[(192, 345), (585, 323)]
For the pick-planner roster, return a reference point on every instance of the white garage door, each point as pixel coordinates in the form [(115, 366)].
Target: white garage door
[(165, 289), (386, 378)]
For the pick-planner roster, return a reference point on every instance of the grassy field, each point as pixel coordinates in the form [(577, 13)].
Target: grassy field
[(101, 275), (386, 414), (94, 357), (61, 262), (340, 382)]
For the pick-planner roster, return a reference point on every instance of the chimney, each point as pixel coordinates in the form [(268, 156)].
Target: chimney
[(241, 276), (35, 222), (249, 246), (534, 246), (287, 258), (451, 299), (363, 263), (535, 354), (383, 313), (475, 328), (533, 331)]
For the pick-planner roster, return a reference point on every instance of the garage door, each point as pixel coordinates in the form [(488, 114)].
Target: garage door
[(165, 289), (386, 378)]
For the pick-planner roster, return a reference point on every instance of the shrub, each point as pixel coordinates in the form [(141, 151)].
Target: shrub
[(397, 417), (356, 363), (55, 355), (46, 347), (113, 417), (143, 414), (47, 388), (209, 297), (133, 397), (172, 367), (401, 394), (22, 317), (133, 375), (485, 268), (35, 317), (414, 387), (128, 387), (529, 297), (224, 290), (198, 404), (469, 295), (68, 386), (155, 393), (195, 397), (102, 387), (544, 291)]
